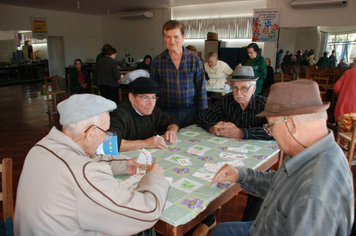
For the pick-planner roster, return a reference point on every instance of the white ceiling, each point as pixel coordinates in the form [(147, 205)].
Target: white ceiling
[(101, 7)]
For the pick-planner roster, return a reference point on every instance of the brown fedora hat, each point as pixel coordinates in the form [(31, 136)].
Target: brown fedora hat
[(294, 98)]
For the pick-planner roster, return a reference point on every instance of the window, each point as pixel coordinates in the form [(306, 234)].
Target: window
[(344, 45)]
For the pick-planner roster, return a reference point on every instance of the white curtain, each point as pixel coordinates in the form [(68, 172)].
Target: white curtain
[(323, 44), (226, 28)]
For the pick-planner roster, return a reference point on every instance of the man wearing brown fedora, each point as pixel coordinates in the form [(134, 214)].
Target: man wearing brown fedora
[(312, 192), (234, 115)]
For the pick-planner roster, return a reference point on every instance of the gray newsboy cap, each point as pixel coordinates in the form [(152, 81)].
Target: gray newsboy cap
[(80, 107)]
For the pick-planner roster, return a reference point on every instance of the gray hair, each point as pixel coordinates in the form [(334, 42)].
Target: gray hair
[(253, 82), (81, 126)]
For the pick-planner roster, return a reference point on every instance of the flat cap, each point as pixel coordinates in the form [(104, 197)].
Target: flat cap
[(80, 107)]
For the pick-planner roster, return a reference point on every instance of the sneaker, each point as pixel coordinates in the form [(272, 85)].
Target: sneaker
[(203, 229)]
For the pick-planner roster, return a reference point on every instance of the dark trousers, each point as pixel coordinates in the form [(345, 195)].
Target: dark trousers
[(252, 208), (186, 116), (111, 93)]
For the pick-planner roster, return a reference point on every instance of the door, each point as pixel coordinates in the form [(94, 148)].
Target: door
[(56, 56)]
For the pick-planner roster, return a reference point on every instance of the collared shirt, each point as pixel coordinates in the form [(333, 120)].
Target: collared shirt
[(130, 125), (311, 194), (180, 88), (227, 109)]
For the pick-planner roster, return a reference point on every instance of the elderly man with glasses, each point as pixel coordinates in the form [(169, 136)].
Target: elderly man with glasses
[(65, 189), (233, 116), (312, 192), (137, 121)]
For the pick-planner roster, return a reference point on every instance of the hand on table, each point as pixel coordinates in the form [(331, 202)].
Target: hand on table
[(170, 136), (226, 129), (155, 168), (226, 173), (155, 142), (131, 166)]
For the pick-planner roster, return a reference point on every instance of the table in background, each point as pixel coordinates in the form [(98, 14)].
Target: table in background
[(215, 94), (191, 199)]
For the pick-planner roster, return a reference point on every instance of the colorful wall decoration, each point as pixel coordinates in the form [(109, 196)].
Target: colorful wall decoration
[(265, 25)]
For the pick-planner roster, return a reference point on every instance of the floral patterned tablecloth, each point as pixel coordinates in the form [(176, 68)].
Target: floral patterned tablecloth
[(189, 195)]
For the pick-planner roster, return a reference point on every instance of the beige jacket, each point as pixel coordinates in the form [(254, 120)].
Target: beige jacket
[(68, 193)]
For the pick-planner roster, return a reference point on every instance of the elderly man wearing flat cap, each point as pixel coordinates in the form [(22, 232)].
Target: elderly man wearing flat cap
[(312, 192), (233, 116), (138, 122), (65, 189)]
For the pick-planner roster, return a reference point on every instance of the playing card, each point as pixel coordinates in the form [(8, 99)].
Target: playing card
[(184, 162), (231, 156), (218, 140), (234, 149), (145, 159), (198, 150), (190, 133), (204, 176)]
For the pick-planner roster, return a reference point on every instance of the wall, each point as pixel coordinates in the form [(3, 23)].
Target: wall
[(73, 27), (6, 49), (138, 37)]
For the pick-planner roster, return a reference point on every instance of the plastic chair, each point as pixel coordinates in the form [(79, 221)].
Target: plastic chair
[(349, 137), (52, 89)]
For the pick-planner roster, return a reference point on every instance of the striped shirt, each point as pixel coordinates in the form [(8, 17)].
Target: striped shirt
[(227, 109), (311, 193), (180, 88)]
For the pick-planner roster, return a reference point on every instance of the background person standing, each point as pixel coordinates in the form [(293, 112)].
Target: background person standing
[(180, 75)]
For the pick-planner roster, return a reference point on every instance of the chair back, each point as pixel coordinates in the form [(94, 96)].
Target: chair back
[(68, 80), (6, 196), (93, 87), (323, 83), (349, 137), (51, 83)]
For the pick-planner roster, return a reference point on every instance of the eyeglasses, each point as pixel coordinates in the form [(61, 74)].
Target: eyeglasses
[(267, 127), (146, 98), (243, 89), (108, 133)]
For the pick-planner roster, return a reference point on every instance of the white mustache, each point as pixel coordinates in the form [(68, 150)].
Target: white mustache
[(239, 96)]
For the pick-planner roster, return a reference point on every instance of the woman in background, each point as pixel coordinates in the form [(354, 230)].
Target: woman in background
[(258, 63), (107, 74), (270, 77), (145, 64), (217, 71), (79, 79)]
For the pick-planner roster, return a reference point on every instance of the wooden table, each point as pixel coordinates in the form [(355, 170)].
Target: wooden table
[(177, 217)]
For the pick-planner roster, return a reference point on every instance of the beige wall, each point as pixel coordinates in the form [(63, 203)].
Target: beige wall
[(139, 36), (73, 27)]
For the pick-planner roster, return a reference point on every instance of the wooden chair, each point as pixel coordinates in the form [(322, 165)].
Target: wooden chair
[(323, 83), (6, 196), (52, 90), (349, 137), (288, 74), (93, 87)]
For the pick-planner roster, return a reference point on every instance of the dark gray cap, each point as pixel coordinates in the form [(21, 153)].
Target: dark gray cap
[(243, 73)]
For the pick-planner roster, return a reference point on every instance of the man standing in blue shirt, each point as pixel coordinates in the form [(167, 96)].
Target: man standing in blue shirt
[(180, 75)]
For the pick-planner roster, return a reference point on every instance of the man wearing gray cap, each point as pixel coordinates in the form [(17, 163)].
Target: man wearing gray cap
[(65, 189), (137, 121), (312, 192), (233, 115)]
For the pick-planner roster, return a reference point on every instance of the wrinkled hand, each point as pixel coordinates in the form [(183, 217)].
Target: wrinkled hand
[(226, 173), (155, 168), (155, 142), (226, 129), (131, 166), (170, 136)]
